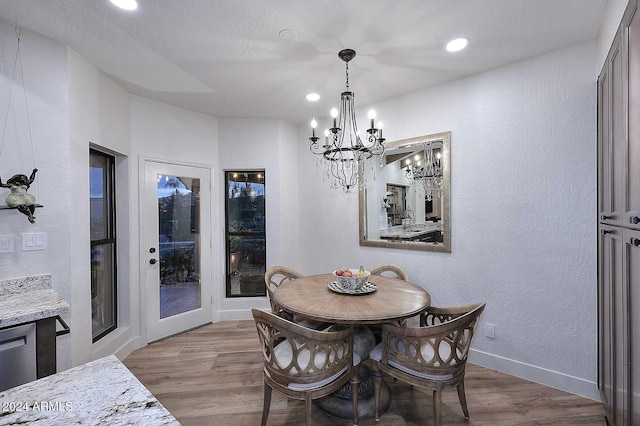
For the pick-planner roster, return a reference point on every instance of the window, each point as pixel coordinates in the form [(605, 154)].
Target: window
[(245, 233), (103, 243)]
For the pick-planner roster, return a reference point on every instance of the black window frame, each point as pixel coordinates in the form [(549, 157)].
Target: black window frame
[(110, 239), (228, 234)]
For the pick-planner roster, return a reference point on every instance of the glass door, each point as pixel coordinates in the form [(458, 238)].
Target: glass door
[(177, 248)]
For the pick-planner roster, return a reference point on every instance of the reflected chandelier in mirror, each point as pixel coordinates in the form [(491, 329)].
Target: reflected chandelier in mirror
[(405, 203)]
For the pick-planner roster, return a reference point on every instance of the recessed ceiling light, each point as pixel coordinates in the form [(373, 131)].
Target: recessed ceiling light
[(457, 44), (313, 97), (125, 4), (288, 34)]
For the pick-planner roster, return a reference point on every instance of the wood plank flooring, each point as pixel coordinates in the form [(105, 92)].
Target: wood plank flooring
[(213, 376)]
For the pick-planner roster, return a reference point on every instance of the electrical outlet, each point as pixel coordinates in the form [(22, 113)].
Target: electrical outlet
[(490, 330), (6, 243)]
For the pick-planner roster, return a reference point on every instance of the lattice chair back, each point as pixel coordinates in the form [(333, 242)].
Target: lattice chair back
[(439, 350), (273, 278), (303, 363), (393, 271), (430, 357)]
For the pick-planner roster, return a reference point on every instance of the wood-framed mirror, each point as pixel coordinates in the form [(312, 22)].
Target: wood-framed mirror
[(395, 209)]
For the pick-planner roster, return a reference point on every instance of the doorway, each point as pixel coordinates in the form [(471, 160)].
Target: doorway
[(176, 216)]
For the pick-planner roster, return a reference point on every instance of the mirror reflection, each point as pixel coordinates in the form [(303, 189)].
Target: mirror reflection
[(405, 201)]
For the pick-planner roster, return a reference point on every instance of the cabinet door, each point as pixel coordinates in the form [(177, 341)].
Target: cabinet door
[(604, 168), (612, 135), (609, 279), (632, 31), (632, 282)]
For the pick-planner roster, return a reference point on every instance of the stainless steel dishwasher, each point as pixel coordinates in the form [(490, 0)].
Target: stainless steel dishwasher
[(17, 355)]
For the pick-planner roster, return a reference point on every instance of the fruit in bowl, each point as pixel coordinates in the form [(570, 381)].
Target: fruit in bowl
[(351, 279)]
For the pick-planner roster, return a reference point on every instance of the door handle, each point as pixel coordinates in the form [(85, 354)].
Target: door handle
[(634, 219), (152, 250), (152, 261), (604, 232), (605, 217), (635, 241)]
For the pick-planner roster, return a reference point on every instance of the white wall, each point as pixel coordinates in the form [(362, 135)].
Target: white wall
[(270, 145), (522, 212), (164, 132), (99, 115), (45, 74)]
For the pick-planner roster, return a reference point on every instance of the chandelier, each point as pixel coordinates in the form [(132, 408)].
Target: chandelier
[(343, 152), (427, 175)]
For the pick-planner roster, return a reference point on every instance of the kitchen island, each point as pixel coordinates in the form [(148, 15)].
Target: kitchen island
[(427, 232), (29, 310), (29, 303), (101, 392)]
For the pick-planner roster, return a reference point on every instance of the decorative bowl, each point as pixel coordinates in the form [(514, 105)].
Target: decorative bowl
[(354, 282)]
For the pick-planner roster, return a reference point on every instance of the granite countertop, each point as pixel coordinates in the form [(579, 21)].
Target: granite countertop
[(410, 232), (101, 392), (29, 299)]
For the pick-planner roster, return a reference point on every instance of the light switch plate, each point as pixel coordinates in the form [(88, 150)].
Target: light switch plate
[(6, 243), (34, 241)]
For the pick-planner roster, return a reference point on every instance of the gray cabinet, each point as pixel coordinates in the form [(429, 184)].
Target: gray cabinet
[(619, 224), (631, 268), (395, 204), (611, 136), (632, 164)]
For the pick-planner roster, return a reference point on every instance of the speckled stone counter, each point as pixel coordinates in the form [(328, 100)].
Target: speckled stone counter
[(411, 232), (29, 299), (101, 392)]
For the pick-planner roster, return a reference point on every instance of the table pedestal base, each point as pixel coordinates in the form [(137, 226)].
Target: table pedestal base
[(339, 404)]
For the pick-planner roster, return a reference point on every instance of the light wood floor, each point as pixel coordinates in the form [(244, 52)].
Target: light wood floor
[(213, 376)]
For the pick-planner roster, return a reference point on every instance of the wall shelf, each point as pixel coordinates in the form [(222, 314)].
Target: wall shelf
[(5, 207)]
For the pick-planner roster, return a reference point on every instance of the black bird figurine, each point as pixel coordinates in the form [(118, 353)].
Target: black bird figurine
[(19, 198)]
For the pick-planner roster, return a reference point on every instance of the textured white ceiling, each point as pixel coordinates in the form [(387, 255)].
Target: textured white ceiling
[(225, 57)]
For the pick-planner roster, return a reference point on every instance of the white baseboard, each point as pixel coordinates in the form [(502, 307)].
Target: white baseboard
[(130, 346), (121, 344), (235, 314), (554, 379)]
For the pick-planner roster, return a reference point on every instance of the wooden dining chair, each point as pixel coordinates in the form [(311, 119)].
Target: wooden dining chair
[(393, 271), (273, 278), (305, 364), (432, 357)]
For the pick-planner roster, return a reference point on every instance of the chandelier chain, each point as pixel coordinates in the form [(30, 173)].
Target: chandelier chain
[(346, 85)]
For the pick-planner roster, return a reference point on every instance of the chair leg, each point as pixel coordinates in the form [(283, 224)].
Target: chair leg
[(307, 407), (437, 406), (355, 382), (377, 387), (266, 405), (463, 400)]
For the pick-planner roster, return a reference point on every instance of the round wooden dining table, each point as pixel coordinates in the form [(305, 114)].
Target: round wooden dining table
[(392, 301)]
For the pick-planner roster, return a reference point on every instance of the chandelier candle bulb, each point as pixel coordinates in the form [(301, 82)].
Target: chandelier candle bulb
[(334, 114), (314, 124), (380, 125), (372, 117)]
